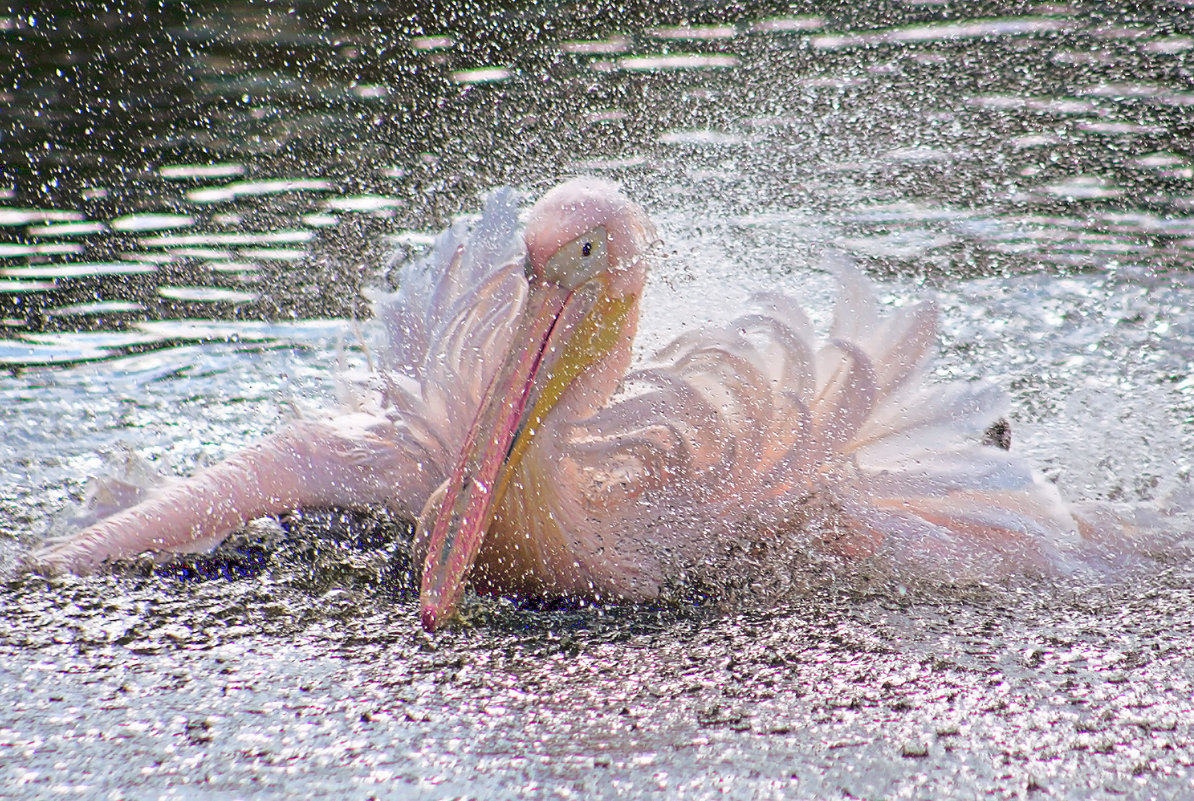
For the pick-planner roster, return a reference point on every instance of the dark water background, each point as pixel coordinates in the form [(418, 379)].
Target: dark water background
[(191, 197)]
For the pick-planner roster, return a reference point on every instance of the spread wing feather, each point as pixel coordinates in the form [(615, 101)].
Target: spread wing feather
[(747, 431), (442, 334), (437, 343)]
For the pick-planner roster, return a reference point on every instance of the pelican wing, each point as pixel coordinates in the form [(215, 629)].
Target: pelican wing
[(761, 429), (440, 337), (437, 337)]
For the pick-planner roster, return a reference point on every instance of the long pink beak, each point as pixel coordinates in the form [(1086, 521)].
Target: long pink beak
[(478, 480)]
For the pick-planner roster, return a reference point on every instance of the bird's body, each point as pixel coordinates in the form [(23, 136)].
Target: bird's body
[(571, 476)]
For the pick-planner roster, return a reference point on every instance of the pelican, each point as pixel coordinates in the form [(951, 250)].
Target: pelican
[(501, 414)]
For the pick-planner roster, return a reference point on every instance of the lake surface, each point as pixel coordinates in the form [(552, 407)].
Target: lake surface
[(193, 198)]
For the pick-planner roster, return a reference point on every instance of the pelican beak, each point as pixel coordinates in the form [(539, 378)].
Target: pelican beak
[(562, 333)]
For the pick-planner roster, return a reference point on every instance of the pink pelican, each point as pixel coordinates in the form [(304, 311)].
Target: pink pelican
[(498, 412)]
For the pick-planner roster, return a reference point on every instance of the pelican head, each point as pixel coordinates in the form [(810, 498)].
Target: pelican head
[(585, 228), (586, 246)]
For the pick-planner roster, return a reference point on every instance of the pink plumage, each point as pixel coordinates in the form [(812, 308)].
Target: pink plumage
[(756, 433)]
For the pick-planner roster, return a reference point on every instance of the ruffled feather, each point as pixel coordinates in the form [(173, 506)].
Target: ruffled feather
[(743, 433), (438, 339)]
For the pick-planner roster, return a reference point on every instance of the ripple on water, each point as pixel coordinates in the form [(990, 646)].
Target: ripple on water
[(216, 238), (32, 354), (200, 172), (696, 32), (203, 294), (239, 189), (66, 229), (421, 43), (98, 308), (481, 75), (363, 203), (15, 217), (79, 270), (701, 138), (274, 254), (676, 61), (10, 250), (230, 265), (788, 24), (944, 32), (151, 222), (613, 45), (22, 287)]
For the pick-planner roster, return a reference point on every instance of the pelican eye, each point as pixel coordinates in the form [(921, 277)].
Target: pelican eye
[(579, 260)]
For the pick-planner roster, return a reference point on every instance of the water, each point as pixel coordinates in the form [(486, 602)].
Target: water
[(190, 198)]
